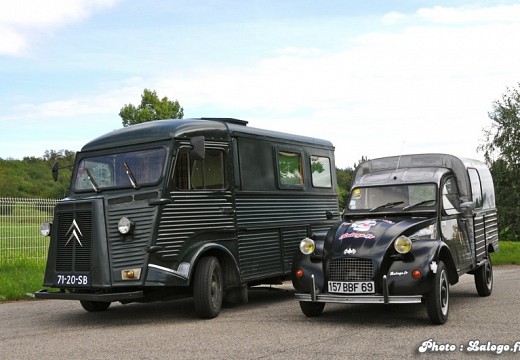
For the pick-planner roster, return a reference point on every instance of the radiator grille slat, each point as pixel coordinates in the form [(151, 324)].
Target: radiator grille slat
[(351, 269)]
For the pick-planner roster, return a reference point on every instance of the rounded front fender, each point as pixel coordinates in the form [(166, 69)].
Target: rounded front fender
[(308, 267)]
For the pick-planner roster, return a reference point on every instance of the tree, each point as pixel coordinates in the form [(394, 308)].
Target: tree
[(151, 108), (501, 149)]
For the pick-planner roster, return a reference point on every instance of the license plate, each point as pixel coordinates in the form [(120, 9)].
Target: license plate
[(352, 287), (74, 280)]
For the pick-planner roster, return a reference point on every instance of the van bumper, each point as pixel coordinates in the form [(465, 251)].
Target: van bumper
[(107, 297)]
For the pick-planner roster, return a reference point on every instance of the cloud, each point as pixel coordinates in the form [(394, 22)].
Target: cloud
[(21, 20)]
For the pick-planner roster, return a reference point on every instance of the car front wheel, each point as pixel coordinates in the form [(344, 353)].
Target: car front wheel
[(312, 309), (438, 299)]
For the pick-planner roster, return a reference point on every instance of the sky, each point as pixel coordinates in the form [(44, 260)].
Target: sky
[(375, 77)]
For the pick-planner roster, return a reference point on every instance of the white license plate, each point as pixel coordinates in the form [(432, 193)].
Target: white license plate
[(352, 287), (76, 280)]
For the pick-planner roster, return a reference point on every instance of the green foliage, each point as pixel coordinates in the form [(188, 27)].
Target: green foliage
[(32, 177), (151, 108), (501, 149)]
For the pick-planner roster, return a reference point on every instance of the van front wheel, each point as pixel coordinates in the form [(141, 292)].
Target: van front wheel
[(94, 306), (208, 288)]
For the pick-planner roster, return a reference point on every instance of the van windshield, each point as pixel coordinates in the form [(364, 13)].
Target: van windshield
[(402, 197), (128, 169)]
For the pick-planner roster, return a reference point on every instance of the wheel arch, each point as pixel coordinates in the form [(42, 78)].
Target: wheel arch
[(444, 255), (228, 263)]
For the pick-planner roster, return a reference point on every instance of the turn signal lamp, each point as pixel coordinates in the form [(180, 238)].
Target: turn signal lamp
[(403, 244), (307, 246), (416, 274), (131, 274), (299, 273)]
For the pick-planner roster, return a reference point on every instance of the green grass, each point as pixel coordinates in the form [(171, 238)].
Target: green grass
[(509, 254), (20, 277)]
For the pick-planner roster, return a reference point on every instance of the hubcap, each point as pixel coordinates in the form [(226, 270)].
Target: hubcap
[(444, 294)]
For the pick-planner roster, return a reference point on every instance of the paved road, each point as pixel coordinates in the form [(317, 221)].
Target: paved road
[(271, 326)]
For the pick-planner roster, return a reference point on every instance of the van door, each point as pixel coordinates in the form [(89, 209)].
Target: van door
[(202, 207), (453, 225)]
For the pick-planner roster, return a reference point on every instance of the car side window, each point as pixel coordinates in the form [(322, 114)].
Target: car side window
[(450, 196)]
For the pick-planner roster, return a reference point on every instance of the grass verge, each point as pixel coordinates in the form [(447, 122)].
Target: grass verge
[(19, 278)]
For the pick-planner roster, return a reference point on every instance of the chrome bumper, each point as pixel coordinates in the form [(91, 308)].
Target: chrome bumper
[(316, 296)]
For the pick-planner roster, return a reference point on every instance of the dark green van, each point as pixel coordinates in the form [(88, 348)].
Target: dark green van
[(192, 207)]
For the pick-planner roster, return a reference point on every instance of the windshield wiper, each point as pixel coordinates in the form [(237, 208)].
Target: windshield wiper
[(387, 205), (417, 204), (130, 175), (92, 181)]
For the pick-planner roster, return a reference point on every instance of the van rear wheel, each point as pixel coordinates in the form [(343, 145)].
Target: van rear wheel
[(208, 288), (94, 306), (484, 279)]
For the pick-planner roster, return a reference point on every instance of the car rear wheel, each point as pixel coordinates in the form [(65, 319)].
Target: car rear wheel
[(208, 287), (94, 306), (437, 300), (312, 309), (484, 279)]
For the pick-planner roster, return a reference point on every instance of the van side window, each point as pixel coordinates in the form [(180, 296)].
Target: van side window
[(476, 188), (320, 171), (207, 174), (290, 169), (450, 197)]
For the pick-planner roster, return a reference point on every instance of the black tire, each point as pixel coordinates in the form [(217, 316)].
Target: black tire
[(94, 306), (312, 309), (484, 279), (208, 289), (437, 300)]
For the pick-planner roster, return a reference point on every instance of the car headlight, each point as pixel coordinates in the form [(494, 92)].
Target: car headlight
[(45, 228), (403, 244), (125, 226), (307, 246)]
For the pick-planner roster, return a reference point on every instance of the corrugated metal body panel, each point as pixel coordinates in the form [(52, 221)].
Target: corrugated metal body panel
[(191, 213), (260, 254), (271, 228), (130, 251), (254, 211), (486, 232)]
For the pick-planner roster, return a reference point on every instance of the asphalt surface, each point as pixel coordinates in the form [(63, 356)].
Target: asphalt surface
[(270, 326)]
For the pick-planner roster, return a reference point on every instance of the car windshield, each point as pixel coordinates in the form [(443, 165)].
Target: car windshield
[(402, 197), (128, 169)]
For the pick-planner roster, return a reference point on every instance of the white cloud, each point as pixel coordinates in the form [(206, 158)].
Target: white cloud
[(21, 20)]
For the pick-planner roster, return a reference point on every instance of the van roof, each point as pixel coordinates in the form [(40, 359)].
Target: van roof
[(458, 165), (218, 129)]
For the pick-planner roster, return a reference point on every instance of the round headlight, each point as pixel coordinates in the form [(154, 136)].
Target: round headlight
[(45, 228), (403, 244), (307, 246), (125, 226)]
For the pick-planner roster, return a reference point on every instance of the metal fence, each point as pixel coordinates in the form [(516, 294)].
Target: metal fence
[(20, 221)]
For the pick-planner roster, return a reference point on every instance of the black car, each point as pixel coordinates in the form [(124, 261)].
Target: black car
[(413, 225)]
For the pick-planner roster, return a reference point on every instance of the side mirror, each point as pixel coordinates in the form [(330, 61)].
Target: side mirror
[(55, 168), (198, 150), (467, 207)]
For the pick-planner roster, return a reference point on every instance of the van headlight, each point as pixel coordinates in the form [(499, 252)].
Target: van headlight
[(125, 226), (403, 244), (307, 246)]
